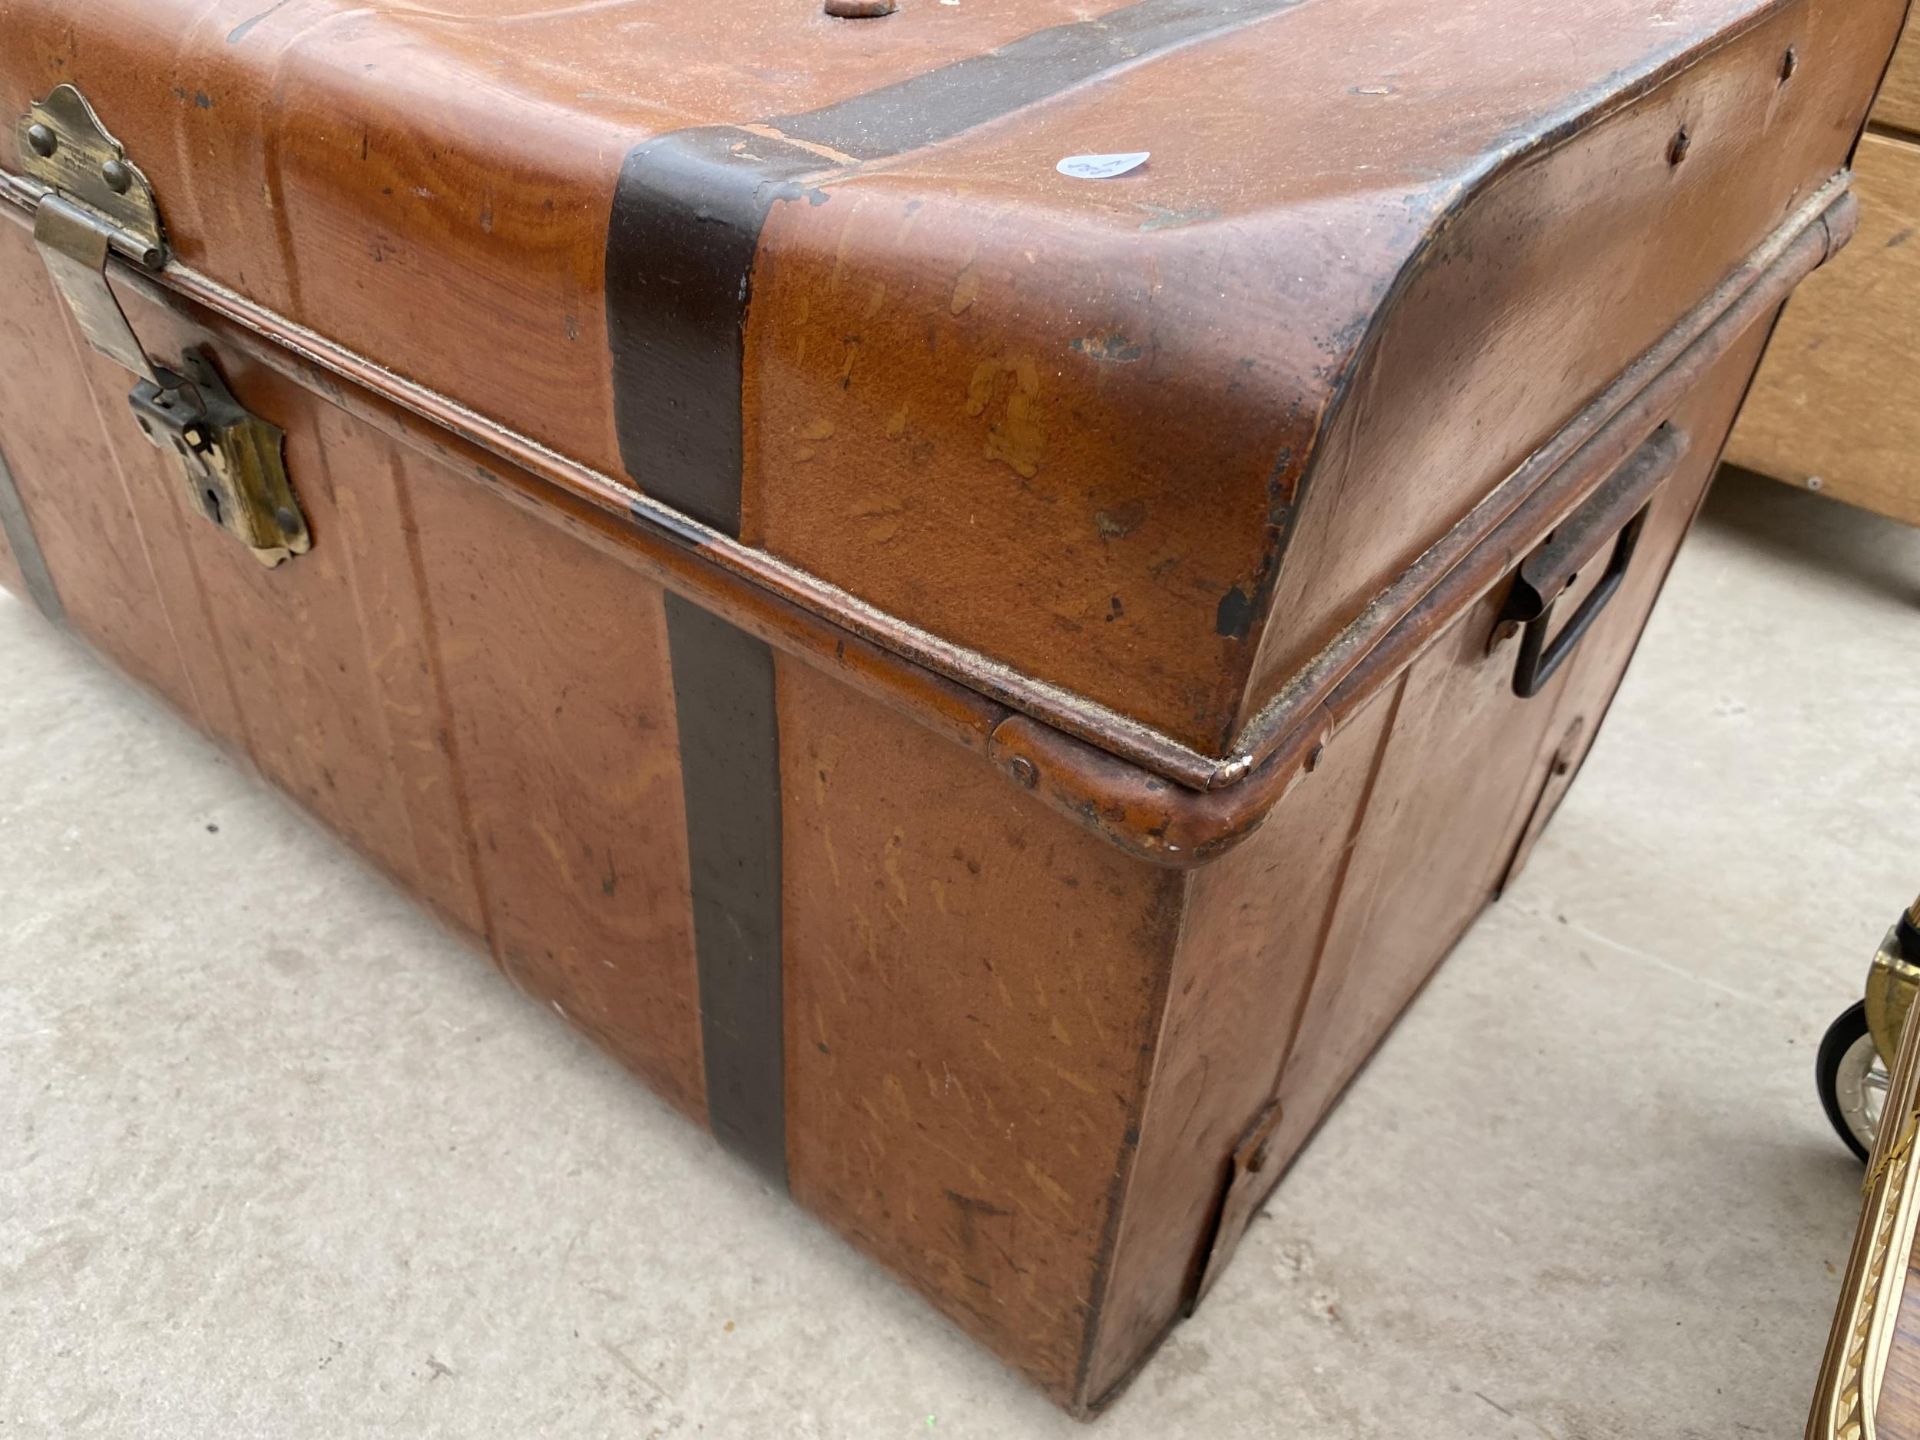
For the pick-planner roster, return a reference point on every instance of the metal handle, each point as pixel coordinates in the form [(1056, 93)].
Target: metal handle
[(1617, 509)]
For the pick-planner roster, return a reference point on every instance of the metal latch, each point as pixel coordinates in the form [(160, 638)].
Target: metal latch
[(1251, 1176), (96, 202)]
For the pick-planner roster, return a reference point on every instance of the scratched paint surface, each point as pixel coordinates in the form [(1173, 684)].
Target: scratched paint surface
[(971, 985), (430, 184), (570, 765), (1099, 432), (1064, 421), (1059, 422)]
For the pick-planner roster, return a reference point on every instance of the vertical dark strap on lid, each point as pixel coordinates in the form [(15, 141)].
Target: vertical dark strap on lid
[(730, 771), (689, 207)]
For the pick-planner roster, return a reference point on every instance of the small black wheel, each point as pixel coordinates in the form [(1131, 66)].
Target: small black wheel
[(1851, 1079)]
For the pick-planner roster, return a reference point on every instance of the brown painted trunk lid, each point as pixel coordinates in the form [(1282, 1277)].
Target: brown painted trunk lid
[(1132, 453)]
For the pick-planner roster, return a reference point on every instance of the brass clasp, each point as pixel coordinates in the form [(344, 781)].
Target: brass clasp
[(96, 202)]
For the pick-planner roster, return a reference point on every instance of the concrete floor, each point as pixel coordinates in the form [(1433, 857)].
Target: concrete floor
[(279, 1157)]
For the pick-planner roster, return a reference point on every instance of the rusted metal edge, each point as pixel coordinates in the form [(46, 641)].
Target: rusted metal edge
[(1152, 817), (1310, 686), (1129, 783), (1257, 734)]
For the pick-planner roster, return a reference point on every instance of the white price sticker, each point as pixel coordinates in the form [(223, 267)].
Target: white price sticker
[(1101, 167)]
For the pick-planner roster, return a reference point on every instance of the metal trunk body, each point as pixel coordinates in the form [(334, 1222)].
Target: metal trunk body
[(990, 690)]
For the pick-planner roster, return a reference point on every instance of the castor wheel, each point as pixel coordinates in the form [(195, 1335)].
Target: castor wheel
[(1851, 1078)]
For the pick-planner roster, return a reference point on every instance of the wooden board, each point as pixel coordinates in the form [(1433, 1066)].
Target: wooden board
[(1898, 107), (1835, 400), (1897, 1416)]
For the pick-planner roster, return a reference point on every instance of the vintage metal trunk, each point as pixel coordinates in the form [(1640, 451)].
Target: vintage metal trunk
[(989, 688)]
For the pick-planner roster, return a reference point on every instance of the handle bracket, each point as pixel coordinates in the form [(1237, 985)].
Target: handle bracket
[(1618, 509)]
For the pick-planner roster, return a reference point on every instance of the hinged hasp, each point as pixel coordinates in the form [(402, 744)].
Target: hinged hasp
[(97, 202)]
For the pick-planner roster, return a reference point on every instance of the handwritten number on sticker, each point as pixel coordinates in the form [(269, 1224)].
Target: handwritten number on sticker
[(1101, 167)]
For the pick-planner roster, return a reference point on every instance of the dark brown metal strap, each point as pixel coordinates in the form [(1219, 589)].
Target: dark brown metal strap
[(730, 771), (18, 529), (689, 207)]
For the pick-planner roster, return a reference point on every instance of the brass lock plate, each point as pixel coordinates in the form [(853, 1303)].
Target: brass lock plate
[(230, 459), (97, 203)]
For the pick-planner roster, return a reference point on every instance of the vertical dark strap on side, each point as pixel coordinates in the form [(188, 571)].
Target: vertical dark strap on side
[(686, 223), (26, 549), (730, 771)]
